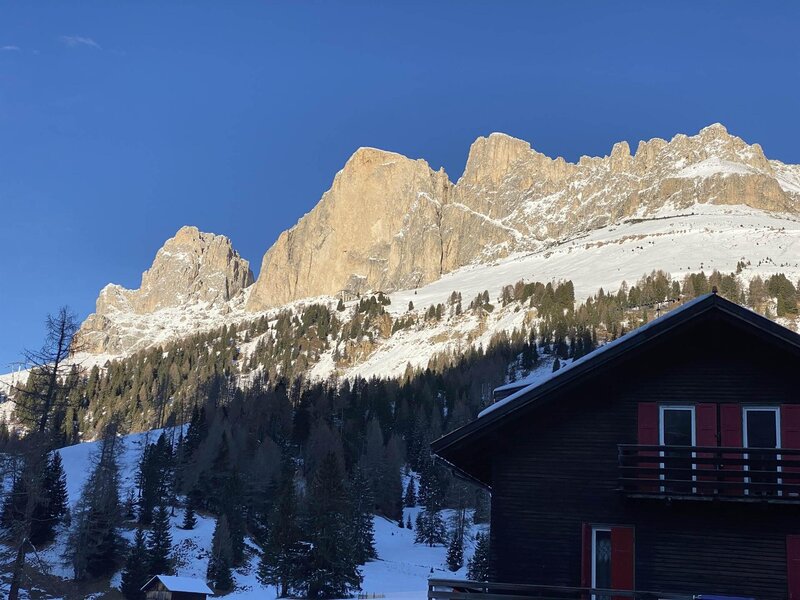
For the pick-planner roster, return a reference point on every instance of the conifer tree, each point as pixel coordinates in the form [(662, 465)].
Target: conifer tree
[(333, 569), (55, 483), (214, 479), (136, 572), (159, 543), (129, 507), (232, 505), (94, 542), (48, 506), (455, 552), (196, 432), (189, 519), (14, 503), (154, 477), (361, 505), (410, 499), (430, 529), (478, 564), (221, 560), (282, 559)]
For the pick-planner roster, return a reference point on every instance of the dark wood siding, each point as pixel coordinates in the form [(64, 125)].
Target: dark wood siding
[(557, 469)]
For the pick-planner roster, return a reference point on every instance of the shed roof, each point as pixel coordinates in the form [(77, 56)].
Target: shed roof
[(174, 583)]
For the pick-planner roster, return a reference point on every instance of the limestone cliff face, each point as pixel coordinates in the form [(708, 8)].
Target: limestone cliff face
[(192, 268), (390, 222), (376, 228)]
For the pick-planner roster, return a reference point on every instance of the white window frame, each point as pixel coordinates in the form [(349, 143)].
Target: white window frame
[(661, 410), (593, 556), (761, 408)]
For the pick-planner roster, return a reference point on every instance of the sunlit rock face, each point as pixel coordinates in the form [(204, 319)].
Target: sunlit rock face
[(389, 222), (192, 268)]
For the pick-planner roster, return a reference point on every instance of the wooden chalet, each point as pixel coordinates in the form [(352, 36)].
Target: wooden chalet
[(665, 464), (170, 587)]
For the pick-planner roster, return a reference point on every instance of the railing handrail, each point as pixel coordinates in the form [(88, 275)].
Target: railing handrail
[(719, 449), (522, 587), (705, 472)]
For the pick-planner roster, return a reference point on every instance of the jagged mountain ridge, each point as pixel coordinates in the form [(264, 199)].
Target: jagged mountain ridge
[(392, 223)]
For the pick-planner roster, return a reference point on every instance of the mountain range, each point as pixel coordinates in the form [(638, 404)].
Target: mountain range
[(392, 224)]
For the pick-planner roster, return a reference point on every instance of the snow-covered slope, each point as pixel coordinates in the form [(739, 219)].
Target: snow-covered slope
[(401, 570), (705, 237)]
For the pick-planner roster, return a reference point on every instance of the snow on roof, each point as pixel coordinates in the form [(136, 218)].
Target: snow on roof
[(182, 584), (543, 370), (592, 355)]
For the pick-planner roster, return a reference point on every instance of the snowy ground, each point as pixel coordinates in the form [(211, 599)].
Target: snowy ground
[(400, 572), (702, 238)]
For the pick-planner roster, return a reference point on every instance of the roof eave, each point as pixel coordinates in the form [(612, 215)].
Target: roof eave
[(485, 424)]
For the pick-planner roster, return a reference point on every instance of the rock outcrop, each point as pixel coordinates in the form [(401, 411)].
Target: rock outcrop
[(389, 222), (191, 269)]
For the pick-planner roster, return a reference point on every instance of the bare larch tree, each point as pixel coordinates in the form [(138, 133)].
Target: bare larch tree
[(35, 403)]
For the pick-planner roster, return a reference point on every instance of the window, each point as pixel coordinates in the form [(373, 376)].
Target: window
[(608, 559), (601, 561), (762, 431), (677, 428)]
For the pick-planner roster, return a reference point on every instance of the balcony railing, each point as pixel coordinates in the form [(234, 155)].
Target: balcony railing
[(710, 472), (450, 589)]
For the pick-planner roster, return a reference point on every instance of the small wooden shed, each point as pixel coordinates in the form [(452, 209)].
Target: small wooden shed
[(170, 587)]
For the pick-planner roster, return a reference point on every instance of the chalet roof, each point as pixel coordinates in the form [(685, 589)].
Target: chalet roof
[(454, 447), (181, 584)]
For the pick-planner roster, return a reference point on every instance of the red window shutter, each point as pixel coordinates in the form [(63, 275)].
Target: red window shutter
[(648, 424), (706, 435), (622, 559), (790, 426), (793, 566), (648, 436), (706, 432), (790, 438), (730, 417), (586, 555), (731, 425)]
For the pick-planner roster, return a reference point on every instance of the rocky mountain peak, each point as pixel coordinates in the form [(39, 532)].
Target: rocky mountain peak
[(490, 158), (368, 157), (714, 130), (191, 268), (376, 228)]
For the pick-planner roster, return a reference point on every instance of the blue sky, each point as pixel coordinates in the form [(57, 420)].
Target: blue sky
[(121, 122)]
